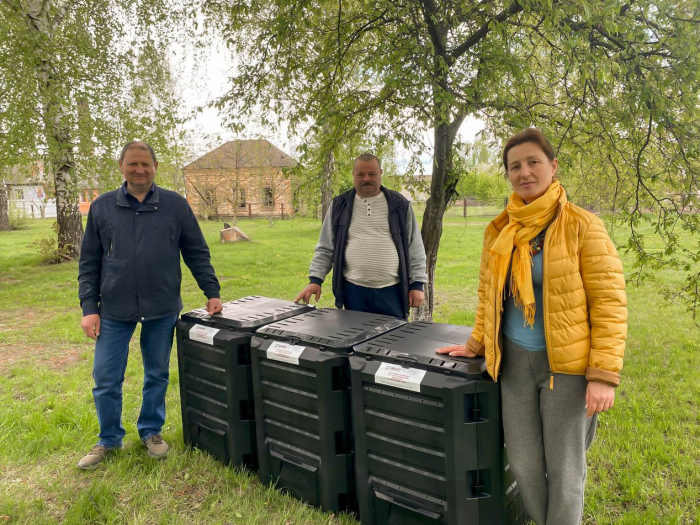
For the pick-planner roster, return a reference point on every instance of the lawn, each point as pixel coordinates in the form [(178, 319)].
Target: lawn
[(644, 467)]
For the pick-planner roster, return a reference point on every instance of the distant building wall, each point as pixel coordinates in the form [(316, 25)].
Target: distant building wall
[(29, 200), (242, 192)]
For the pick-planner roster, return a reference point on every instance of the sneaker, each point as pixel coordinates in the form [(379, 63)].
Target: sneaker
[(157, 448), (95, 457)]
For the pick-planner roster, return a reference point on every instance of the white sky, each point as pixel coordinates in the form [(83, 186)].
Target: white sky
[(207, 128)]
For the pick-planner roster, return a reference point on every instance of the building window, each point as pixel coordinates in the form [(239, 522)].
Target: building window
[(267, 200), (241, 198), (210, 197), (19, 194)]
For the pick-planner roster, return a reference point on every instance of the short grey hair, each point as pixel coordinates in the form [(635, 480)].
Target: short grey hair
[(366, 157)]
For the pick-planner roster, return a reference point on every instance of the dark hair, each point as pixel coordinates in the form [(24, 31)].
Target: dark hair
[(366, 157), (533, 135), (137, 144)]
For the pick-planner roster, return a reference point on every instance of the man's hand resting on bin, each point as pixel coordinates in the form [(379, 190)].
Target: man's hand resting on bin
[(214, 306), (310, 290), (456, 351)]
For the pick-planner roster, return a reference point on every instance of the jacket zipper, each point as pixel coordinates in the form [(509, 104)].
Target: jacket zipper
[(495, 336), (545, 283), (138, 293)]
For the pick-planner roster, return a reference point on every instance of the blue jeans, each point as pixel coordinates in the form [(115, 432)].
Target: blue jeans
[(111, 354), (382, 301)]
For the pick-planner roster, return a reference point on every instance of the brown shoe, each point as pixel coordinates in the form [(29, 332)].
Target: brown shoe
[(94, 457), (157, 448)]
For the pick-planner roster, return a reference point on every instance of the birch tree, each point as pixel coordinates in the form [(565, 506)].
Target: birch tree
[(87, 76)]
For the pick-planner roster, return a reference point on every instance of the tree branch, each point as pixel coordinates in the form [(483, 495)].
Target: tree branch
[(689, 20), (480, 33), (430, 13)]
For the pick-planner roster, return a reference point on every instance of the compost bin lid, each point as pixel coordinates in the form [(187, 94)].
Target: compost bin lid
[(331, 329), (414, 345), (250, 313)]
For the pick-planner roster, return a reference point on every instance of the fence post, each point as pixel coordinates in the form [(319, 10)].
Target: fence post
[(464, 211), (250, 210), (282, 211)]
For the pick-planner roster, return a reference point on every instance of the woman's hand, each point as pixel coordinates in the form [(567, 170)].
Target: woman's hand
[(456, 351), (599, 397)]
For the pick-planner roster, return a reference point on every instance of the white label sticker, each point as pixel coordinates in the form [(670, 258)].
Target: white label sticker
[(284, 352), (204, 334), (395, 375)]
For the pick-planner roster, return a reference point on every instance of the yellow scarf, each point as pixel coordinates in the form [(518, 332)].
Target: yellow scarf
[(525, 221)]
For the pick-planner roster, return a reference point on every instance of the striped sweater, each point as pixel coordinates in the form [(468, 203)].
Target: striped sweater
[(371, 259)]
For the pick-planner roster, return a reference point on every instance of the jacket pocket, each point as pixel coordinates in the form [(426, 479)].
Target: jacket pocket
[(107, 240)]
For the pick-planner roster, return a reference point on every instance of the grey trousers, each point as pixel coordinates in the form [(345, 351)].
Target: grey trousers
[(547, 434)]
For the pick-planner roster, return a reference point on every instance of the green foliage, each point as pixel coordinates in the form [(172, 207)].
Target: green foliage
[(17, 217), (77, 81), (485, 184), (309, 174), (614, 84), (480, 175), (49, 250)]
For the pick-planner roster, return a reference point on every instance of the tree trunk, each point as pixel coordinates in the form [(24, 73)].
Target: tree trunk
[(327, 184), (442, 189), (4, 207), (68, 218), (58, 136)]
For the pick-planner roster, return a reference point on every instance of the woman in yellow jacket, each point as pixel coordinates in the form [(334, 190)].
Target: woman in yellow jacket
[(552, 323)]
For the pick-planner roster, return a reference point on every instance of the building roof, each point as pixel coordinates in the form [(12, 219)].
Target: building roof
[(243, 154)]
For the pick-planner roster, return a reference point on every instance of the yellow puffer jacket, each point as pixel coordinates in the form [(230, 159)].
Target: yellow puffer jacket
[(585, 305)]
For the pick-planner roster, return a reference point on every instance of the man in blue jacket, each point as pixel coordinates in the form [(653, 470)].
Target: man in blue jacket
[(130, 273)]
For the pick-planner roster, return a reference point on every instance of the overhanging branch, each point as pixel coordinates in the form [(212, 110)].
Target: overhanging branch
[(480, 33)]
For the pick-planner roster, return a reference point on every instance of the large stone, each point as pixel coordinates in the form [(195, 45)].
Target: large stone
[(232, 234)]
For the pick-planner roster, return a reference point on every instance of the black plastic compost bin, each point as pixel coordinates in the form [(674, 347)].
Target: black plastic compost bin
[(215, 375), (302, 402), (428, 437)]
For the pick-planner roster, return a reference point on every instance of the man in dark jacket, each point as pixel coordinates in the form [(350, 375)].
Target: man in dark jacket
[(370, 237), (130, 273)]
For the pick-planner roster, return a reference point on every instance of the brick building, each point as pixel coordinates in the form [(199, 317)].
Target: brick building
[(241, 178)]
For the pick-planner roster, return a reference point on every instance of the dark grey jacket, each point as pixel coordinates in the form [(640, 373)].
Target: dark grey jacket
[(130, 260)]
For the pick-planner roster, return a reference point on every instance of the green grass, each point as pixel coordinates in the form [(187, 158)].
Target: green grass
[(643, 469)]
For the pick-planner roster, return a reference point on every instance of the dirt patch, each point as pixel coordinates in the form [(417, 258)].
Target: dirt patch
[(55, 357), (30, 317), (18, 322)]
